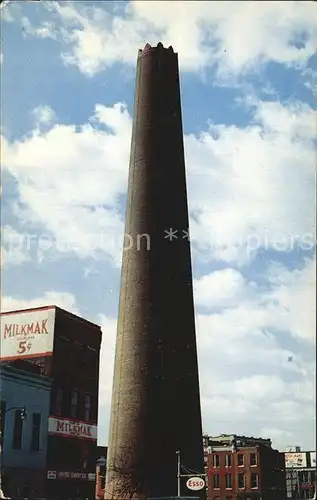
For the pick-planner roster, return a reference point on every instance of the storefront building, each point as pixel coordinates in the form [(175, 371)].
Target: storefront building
[(64, 350), (24, 437)]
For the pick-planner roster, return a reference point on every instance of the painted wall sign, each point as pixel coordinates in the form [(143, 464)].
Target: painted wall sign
[(27, 334), (72, 428), (295, 460)]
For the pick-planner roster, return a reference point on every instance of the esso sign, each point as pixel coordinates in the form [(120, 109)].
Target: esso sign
[(195, 483)]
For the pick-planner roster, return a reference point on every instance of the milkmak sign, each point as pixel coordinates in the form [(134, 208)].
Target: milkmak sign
[(27, 334)]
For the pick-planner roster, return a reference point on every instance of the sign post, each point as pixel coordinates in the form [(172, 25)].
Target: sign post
[(195, 481)]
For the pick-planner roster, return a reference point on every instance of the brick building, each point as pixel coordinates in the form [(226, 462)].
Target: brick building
[(239, 467), (63, 348)]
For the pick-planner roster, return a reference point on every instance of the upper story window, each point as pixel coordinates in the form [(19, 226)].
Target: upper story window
[(36, 428), (305, 477), (216, 460), (74, 404), (228, 481), (58, 401), (241, 481), (254, 481), (240, 459), (216, 481), (228, 461), (87, 407), (17, 430), (253, 459)]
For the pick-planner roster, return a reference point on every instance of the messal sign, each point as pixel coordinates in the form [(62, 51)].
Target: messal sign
[(72, 428), (27, 334), (195, 483)]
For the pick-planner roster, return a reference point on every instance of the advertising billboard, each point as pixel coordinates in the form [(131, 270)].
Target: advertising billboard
[(27, 334), (313, 459), (72, 428), (295, 460)]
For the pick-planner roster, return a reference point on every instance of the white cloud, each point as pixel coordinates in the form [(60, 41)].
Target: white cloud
[(43, 115), (249, 188), (13, 249), (108, 326), (254, 187), (248, 377), (219, 289), (295, 292), (83, 216), (51, 298), (286, 302), (310, 80), (204, 33), (46, 30)]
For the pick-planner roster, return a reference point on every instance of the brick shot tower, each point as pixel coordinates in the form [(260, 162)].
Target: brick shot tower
[(155, 408)]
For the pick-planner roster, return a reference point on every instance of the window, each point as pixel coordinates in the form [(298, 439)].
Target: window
[(3, 416), (254, 481), (58, 401), (228, 461), (17, 430), (305, 477), (36, 426), (228, 481), (216, 481), (241, 481), (217, 498), (240, 459), (74, 404), (229, 497), (216, 460), (253, 459), (87, 406)]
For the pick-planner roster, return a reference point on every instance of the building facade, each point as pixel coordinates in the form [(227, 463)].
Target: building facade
[(24, 440), (64, 348), (238, 467), (300, 474)]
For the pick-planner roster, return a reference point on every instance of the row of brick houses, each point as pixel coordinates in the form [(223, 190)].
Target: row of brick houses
[(240, 467)]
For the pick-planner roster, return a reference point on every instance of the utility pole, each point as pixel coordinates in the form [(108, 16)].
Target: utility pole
[(178, 473), (298, 485)]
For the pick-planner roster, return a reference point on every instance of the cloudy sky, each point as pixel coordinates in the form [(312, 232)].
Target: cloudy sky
[(248, 79)]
